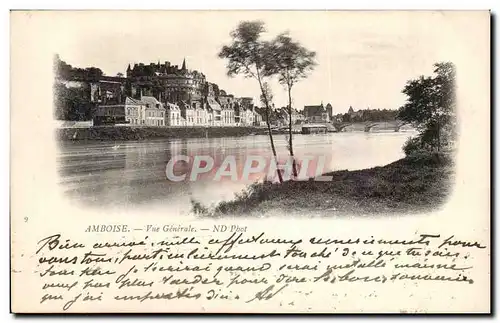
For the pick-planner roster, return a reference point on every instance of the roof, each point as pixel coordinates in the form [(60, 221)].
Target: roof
[(132, 101), (172, 106), (314, 126), (282, 112), (186, 105), (226, 99), (151, 101), (113, 79), (110, 82), (213, 104), (311, 110), (101, 106)]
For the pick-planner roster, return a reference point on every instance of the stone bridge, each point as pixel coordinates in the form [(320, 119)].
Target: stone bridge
[(369, 125)]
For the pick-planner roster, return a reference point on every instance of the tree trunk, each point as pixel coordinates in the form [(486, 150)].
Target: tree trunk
[(273, 148), (438, 136), (290, 143)]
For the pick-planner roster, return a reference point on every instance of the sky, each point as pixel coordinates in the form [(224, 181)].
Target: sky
[(364, 58)]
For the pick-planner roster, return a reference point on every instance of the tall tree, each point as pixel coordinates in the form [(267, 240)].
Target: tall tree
[(291, 62), (72, 103), (430, 107), (247, 55)]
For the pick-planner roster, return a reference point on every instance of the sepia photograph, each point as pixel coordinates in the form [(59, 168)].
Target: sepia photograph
[(239, 161), (254, 117)]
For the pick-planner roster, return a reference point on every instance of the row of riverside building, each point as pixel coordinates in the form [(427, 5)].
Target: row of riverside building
[(162, 94), (166, 95), (149, 111)]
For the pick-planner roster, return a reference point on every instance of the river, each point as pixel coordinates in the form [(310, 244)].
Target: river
[(131, 174)]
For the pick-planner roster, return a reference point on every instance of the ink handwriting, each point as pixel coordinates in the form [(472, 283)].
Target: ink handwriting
[(241, 267)]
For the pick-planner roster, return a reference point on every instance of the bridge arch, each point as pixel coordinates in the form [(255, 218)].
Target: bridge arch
[(399, 125), (339, 127), (369, 126)]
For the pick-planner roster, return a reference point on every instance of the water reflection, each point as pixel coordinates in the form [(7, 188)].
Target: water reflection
[(132, 174)]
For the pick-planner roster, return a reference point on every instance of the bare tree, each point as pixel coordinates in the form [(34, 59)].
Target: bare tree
[(247, 55), (291, 62)]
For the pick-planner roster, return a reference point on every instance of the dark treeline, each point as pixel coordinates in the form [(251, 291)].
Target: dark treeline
[(73, 102), (375, 115), (145, 133), (65, 71)]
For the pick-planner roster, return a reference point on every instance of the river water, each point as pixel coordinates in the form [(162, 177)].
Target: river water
[(131, 174)]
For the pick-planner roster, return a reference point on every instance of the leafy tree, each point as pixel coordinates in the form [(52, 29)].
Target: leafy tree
[(430, 107), (67, 72), (61, 69), (291, 62), (93, 73), (247, 55), (72, 103)]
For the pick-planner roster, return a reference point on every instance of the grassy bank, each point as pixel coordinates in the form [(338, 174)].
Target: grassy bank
[(144, 133), (413, 184)]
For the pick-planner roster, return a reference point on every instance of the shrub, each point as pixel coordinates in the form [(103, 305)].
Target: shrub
[(198, 208), (414, 145)]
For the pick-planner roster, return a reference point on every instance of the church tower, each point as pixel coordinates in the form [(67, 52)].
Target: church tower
[(129, 70)]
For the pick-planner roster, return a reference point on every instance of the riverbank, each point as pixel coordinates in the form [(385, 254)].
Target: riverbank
[(118, 133), (410, 185), (125, 133)]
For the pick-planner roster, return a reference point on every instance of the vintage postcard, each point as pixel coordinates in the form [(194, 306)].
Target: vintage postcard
[(250, 162)]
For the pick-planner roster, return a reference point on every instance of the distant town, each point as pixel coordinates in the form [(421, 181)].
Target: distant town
[(166, 95)]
